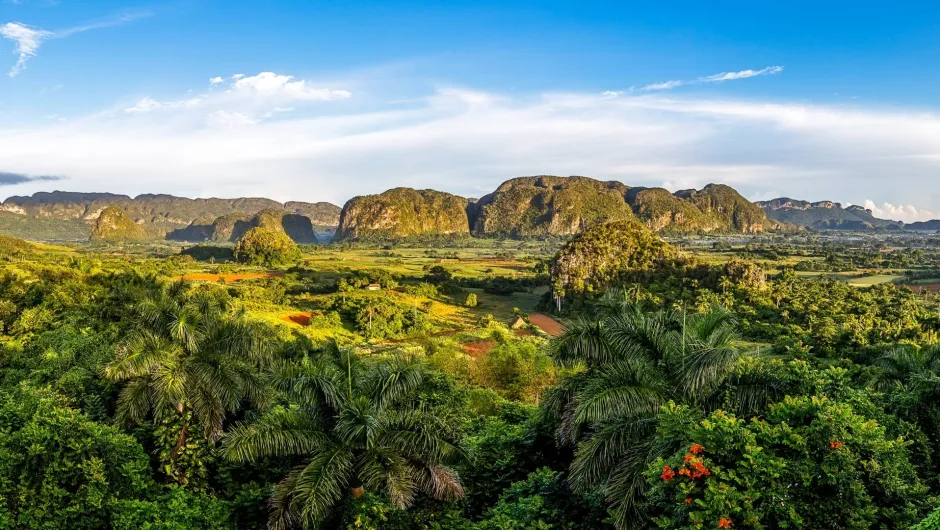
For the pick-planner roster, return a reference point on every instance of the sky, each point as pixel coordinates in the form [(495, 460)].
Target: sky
[(322, 101)]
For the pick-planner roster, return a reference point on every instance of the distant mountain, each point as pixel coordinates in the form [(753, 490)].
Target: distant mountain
[(229, 228), (71, 216), (933, 224), (549, 205), (824, 215)]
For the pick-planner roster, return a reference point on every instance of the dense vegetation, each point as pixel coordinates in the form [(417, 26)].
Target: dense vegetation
[(398, 388), (270, 248)]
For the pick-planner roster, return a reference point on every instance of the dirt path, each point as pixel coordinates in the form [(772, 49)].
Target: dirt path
[(549, 325)]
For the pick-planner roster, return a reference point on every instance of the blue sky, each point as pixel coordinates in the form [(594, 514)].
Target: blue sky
[(326, 100)]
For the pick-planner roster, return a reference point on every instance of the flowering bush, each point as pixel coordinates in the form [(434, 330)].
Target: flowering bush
[(810, 463)]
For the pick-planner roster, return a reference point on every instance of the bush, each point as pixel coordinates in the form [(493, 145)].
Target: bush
[(260, 246), (471, 300)]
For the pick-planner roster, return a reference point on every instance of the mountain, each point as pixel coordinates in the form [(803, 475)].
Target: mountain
[(229, 228), (70, 215), (824, 215), (114, 225), (933, 224), (547, 205), (403, 212)]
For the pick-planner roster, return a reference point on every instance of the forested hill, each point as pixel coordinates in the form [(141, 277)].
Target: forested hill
[(550, 206), (70, 215)]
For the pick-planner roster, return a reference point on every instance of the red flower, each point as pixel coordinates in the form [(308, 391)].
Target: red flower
[(688, 500), (696, 449), (688, 458), (835, 444), (724, 522), (668, 473), (685, 472)]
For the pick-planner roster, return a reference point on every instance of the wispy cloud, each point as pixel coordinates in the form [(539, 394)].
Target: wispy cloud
[(241, 101), (29, 39), (715, 78), (463, 140)]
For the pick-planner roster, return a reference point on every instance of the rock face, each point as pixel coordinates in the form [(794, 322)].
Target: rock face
[(546, 205), (321, 214), (824, 215), (68, 215), (403, 212), (113, 225), (728, 207)]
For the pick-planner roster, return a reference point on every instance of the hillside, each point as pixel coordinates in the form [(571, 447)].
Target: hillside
[(547, 205), (725, 204), (114, 225), (70, 216), (824, 215), (403, 212)]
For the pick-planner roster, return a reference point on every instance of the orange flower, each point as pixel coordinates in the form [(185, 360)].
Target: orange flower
[(668, 473), (724, 522), (688, 500), (835, 444), (685, 472), (696, 449), (688, 458)]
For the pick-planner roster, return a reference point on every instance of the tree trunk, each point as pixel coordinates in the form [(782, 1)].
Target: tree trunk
[(184, 435)]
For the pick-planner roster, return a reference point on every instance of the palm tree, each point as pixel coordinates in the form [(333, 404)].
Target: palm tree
[(356, 427), (911, 377), (632, 363), (189, 357)]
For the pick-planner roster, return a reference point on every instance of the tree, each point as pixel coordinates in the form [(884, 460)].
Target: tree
[(356, 427), (261, 246), (58, 469), (634, 363), (190, 362), (471, 300)]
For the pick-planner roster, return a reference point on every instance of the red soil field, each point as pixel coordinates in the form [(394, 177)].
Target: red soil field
[(932, 287), (302, 319), (549, 325), (476, 349), (229, 277)]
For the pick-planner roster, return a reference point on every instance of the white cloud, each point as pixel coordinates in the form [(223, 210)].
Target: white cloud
[(900, 212), (269, 84), (28, 39), (148, 104), (743, 74), (715, 78), (231, 120), (465, 141), (665, 85), (216, 81)]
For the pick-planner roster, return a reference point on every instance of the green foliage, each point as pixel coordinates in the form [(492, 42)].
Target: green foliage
[(260, 246), (847, 473), (58, 469), (355, 425), (471, 300), (177, 509), (606, 254)]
